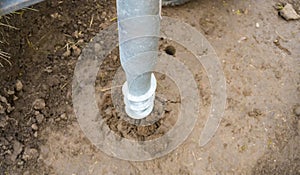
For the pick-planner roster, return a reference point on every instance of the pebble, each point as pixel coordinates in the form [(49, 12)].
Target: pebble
[(2, 109), (19, 85), (64, 116), (103, 15), (3, 99), (55, 15), (257, 25), (297, 110), (26, 173), (34, 127), (170, 50), (289, 13), (20, 163), (76, 50), (39, 118), (10, 108), (18, 147), (242, 39), (115, 58), (39, 104), (10, 92), (30, 153), (15, 98), (3, 122)]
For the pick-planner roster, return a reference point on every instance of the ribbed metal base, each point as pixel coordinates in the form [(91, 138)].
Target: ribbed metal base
[(139, 107)]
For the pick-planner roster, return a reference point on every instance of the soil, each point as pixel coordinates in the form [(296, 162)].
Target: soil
[(259, 52)]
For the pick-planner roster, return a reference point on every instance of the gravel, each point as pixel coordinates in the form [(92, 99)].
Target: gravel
[(39, 104), (19, 85)]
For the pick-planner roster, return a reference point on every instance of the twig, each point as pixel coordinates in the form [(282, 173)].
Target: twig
[(5, 56), (91, 22), (9, 26), (281, 37), (64, 85), (107, 89), (113, 19), (32, 9)]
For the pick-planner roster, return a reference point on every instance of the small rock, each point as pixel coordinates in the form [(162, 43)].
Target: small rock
[(288, 12), (35, 134), (26, 173), (76, 50), (7, 152), (297, 110), (36, 113), (64, 116), (115, 58), (55, 15), (34, 127), (30, 153), (18, 147), (3, 99), (39, 118), (10, 108), (3, 121), (244, 38), (15, 98), (2, 109), (66, 53), (170, 50), (48, 69), (10, 92), (39, 104), (257, 25), (20, 163), (19, 85)]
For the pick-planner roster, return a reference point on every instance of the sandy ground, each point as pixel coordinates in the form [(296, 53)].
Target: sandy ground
[(260, 55)]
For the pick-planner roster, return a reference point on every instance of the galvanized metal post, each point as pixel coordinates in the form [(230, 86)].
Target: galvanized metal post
[(139, 26)]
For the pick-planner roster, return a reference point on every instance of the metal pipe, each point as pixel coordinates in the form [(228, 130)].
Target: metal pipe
[(139, 26), (8, 6)]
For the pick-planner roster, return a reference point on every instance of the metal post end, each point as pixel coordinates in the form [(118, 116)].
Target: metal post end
[(139, 107)]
